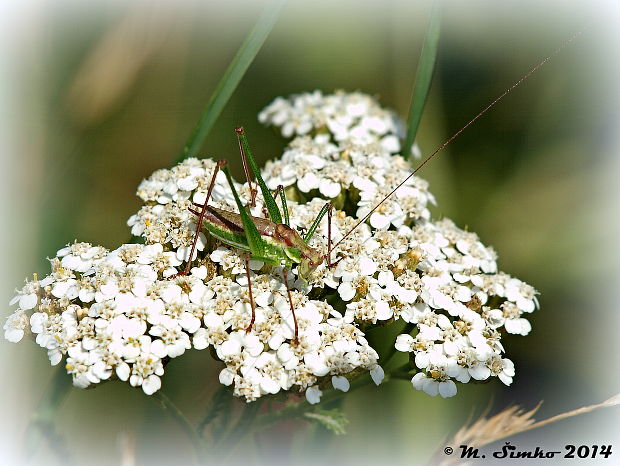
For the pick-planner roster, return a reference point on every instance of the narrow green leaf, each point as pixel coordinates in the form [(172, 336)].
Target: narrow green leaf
[(233, 75), (423, 77), (331, 419)]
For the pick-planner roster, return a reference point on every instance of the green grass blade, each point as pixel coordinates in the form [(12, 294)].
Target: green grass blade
[(233, 75), (423, 77)]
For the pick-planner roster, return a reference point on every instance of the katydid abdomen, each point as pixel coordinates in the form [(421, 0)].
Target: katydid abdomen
[(282, 243)]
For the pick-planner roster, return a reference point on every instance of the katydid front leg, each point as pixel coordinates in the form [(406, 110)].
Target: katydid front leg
[(201, 217), (326, 209)]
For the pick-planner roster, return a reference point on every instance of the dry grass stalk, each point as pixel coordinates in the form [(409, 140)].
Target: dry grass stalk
[(511, 421)]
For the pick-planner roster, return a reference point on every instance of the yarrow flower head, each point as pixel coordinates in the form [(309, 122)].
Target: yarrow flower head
[(127, 313)]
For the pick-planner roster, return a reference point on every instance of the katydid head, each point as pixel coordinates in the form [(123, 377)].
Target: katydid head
[(298, 250), (311, 259)]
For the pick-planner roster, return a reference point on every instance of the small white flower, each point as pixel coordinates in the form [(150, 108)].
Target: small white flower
[(438, 384), (15, 325), (504, 369), (404, 343), (27, 297), (122, 312)]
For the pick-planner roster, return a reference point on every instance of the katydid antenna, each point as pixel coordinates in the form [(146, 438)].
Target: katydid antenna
[(469, 123)]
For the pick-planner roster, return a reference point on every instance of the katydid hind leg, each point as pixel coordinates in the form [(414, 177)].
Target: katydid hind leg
[(270, 202), (248, 174), (255, 242), (284, 274), (251, 296), (282, 195)]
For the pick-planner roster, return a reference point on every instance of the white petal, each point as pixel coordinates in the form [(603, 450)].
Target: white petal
[(377, 374), (227, 376), (379, 221), (329, 189), (308, 182), (422, 360), (200, 339), (313, 395), (28, 301), (431, 387), (269, 385), (383, 310), (341, 383), (346, 291), (506, 379), (418, 380), (13, 334), (123, 371), (55, 356), (159, 348), (367, 266), (391, 143), (189, 322), (480, 372), (447, 389)]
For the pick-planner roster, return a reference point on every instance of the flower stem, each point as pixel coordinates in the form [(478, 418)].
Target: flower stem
[(387, 357), (42, 422), (243, 427), (233, 75), (297, 410), (188, 427), (218, 402)]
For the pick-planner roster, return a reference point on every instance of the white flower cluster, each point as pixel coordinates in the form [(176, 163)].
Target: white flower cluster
[(351, 118), (112, 313), (126, 313), (362, 176), (109, 313), (442, 280), (345, 151)]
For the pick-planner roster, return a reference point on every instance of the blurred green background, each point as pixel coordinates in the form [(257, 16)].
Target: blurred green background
[(100, 94)]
